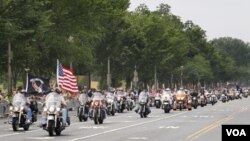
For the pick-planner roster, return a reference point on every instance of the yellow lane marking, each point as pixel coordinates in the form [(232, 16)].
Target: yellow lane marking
[(214, 125)]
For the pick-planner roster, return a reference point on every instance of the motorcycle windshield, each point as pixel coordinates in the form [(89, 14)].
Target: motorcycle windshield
[(165, 96), (19, 100), (97, 96), (180, 94), (110, 96), (121, 94), (83, 98), (53, 100)]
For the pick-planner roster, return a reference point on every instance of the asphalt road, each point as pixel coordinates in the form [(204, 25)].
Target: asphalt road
[(201, 124)]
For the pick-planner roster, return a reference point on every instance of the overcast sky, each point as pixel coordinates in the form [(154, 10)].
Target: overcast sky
[(219, 18)]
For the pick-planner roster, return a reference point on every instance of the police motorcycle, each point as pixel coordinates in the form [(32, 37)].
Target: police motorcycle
[(18, 116), (53, 111), (157, 101), (83, 109), (166, 99), (143, 108), (111, 103), (98, 107)]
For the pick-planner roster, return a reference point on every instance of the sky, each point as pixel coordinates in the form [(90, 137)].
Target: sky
[(219, 18)]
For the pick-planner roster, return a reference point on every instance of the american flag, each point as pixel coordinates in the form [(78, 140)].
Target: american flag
[(65, 79)]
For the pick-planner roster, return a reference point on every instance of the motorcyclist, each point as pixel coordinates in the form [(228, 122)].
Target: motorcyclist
[(83, 98), (98, 94), (167, 93), (141, 95), (57, 91), (33, 107), (21, 94), (111, 95)]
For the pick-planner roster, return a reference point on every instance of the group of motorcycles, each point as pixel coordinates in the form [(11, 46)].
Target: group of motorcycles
[(188, 99), (100, 105), (19, 110)]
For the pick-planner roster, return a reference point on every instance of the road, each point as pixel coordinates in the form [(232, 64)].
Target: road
[(201, 124)]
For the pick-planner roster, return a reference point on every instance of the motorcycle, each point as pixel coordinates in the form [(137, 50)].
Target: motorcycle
[(83, 110), (166, 103), (203, 101), (224, 98), (157, 101), (213, 99), (182, 101), (54, 115), (121, 101), (98, 108), (129, 103), (18, 114), (110, 104)]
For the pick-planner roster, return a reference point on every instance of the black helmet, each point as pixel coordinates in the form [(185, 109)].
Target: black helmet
[(58, 90)]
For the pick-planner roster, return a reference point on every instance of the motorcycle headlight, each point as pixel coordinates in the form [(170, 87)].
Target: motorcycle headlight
[(11, 108), (96, 103), (52, 109), (22, 108), (16, 109), (58, 109), (45, 109), (143, 101)]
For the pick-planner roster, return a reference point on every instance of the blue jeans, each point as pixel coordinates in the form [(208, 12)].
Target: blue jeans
[(64, 115), (29, 114)]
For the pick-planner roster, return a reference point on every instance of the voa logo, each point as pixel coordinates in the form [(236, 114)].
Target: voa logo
[(236, 132)]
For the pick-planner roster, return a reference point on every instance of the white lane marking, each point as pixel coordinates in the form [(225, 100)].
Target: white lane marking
[(169, 127), (202, 116), (93, 127), (125, 127), (5, 135), (138, 138), (41, 138)]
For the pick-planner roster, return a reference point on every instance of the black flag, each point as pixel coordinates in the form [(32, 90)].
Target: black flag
[(37, 85)]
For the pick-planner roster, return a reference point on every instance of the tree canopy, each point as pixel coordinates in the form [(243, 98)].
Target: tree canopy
[(87, 33)]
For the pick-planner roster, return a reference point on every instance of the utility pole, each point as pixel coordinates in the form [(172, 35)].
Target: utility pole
[(10, 55), (156, 87), (135, 79), (108, 75), (181, 76)]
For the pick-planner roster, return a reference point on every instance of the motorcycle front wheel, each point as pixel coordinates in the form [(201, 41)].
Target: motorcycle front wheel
[(15, 124), (51, 127)]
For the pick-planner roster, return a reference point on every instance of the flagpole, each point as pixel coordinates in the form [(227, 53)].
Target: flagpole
[(57, 64), (27, 78)]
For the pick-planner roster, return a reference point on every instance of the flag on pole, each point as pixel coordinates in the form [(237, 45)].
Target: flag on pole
[(65, 79), (37, 85)]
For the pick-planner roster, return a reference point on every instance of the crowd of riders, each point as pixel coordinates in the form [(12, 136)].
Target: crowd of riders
[(119, 100)]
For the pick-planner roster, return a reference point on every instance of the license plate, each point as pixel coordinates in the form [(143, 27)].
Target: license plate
[(50, 117)]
